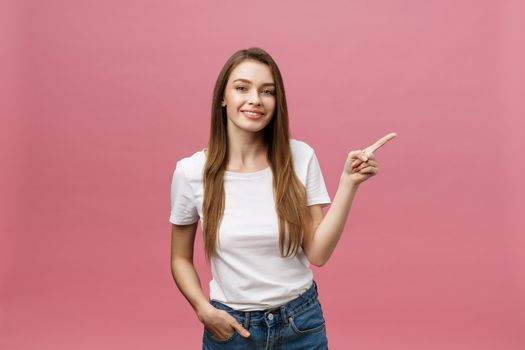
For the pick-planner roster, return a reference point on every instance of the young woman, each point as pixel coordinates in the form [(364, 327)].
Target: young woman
[(259, 194)]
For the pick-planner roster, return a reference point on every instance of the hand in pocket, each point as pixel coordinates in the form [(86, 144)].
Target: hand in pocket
[(222, 325)]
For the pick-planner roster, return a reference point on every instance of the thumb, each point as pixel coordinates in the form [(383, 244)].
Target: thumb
[(240, 329)]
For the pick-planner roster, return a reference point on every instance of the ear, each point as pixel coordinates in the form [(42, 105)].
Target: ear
[(223, 103)]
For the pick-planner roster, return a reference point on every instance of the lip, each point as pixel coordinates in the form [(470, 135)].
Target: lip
[(252, 110), (253, 117)]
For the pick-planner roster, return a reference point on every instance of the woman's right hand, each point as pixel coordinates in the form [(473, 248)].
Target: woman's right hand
[(220, 323)]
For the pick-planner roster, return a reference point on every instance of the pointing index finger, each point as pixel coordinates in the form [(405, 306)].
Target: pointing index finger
[(381, 142)]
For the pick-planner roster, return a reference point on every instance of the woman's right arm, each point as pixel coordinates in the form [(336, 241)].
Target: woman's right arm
[(219, 322), (183, 270)]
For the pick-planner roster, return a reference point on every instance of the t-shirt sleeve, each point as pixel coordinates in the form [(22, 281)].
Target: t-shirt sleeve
[(183, 208), (316, 192)]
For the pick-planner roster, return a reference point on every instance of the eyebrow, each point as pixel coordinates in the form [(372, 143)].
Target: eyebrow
[(247, 81)]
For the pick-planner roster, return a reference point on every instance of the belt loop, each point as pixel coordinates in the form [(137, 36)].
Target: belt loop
[(246, 319), (284, 314)]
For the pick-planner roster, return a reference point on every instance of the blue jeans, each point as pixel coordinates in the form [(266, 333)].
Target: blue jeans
[(298, 324)]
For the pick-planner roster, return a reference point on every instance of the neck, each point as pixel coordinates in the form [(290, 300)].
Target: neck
[(247, 151)]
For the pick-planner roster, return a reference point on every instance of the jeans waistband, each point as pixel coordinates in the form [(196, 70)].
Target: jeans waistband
[(275, 315)]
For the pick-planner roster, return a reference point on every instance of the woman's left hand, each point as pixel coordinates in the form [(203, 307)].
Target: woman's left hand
[(362, 164)]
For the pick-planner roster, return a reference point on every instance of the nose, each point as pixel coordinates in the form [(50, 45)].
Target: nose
[(254, 98)]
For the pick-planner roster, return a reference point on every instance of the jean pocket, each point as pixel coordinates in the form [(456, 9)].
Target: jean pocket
[(309, 321), (217, 340)]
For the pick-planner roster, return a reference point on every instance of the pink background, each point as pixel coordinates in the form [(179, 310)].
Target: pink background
[(101, 100)]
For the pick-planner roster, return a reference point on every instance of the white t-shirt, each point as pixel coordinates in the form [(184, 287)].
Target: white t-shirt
[(248, 270)]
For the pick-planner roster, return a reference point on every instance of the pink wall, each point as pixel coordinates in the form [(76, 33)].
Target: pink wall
[(103, 99)]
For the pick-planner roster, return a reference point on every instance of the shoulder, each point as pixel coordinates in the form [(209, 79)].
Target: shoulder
[(302, 154), (300, 149), (192, 165)]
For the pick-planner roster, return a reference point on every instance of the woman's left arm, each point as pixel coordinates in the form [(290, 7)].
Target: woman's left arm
[(320, 242)]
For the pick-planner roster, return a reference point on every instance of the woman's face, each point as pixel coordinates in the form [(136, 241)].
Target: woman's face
[(250, 86)]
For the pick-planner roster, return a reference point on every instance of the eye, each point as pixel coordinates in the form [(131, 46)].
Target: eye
[(240, 88), (269, 92)]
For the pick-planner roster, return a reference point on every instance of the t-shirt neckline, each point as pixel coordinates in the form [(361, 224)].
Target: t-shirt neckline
[(242, 175)]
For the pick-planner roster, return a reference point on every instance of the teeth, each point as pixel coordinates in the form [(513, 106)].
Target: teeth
[(251, 113)]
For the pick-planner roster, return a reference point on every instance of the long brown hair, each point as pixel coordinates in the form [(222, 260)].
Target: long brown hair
[(289, 192)]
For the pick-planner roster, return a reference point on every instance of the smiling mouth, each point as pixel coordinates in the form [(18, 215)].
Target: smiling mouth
[(252, 115), (251, 111)]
